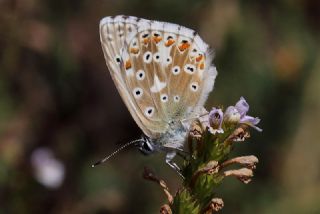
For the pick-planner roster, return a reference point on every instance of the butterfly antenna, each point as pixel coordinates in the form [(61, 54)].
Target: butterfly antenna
[(115, 152)]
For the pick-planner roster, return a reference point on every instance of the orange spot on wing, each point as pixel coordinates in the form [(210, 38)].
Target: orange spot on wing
[(184, 46), (201, 66), (169, 42), (199, 58), (146, 40), (134, 50), (128, 64), (157, 39)]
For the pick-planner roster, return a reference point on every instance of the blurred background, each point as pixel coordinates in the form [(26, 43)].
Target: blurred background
[(60, 111)]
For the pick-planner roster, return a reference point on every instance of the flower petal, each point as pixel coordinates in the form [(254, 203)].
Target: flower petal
[(251, 121), (242, 106)]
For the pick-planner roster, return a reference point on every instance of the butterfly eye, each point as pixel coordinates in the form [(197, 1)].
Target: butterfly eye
[(190, 69), (176, 98), (140, 75), (149, 111), (147, 57), (156, 57), (137, 92), (164, 98), (176, 70), (194, 86)]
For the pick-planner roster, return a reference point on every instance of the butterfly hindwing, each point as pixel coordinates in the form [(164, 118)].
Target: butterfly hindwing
[(162, 70)]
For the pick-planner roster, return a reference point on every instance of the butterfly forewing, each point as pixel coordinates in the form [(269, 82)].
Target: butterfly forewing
[(162, 70)]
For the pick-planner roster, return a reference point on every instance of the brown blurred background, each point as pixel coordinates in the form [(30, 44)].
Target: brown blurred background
[(60, 111)]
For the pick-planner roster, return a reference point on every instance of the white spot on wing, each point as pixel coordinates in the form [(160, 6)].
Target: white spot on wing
[(189, 68), (149, 111), (140, 75), (156, 57), (175, 70), (164, 98), (176, 98), (168, 60), (157, 85), (147, 57), (137, 92), (194, 86)]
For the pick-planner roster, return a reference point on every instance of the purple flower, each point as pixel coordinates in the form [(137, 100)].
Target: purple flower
[(243, 107), (215, 120)]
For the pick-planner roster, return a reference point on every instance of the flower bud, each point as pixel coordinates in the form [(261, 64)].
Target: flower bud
[(231, 115), (216, 204), (165, 209)]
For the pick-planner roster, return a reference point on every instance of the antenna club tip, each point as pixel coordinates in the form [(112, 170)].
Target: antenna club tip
[(92, 165)]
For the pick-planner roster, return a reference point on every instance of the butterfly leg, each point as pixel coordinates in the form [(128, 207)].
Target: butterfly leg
[(183, 154), (172, 164)]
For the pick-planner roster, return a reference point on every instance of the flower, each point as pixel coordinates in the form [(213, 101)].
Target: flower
[(215, 120), (238, 113)]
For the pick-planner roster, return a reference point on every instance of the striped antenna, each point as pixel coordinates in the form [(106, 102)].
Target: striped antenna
[(115, 152)]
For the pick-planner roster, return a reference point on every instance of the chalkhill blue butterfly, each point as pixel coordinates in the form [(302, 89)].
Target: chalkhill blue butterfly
[(163, 73)]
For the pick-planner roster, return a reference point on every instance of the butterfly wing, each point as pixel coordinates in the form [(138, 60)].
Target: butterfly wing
[(161, 70)]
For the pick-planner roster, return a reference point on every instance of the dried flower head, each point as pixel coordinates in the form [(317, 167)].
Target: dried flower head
[(247, 161), (240, 134), (216, 204), (165, 209), (243, 174), (196, 130)]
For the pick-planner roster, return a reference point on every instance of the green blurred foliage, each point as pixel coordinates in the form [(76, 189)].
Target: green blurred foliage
[(55, 92)]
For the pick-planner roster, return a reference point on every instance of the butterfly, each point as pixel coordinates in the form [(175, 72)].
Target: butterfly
[(163, 73)]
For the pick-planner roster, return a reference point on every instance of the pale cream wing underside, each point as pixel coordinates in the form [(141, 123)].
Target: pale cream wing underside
[(161, 70)]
